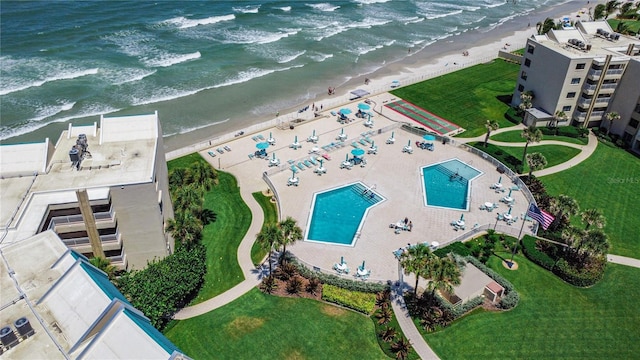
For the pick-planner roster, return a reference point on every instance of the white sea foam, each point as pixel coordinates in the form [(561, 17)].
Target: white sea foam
[(319, 57), (438, 16), (168, 59), (290, 58), (368, 2), (413, 20), (284, 8), (244, 36), (51, 110), (132, 75), (65, 75), (249, 9), (324, 6), (183, 23), (333, 29)]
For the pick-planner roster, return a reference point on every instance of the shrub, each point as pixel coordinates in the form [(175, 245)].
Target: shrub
[(584, 278), (532, 253), (312, 285), (294, 285), (510, 300), (353, 285), (356, 300), (268, 284), (456, 248)]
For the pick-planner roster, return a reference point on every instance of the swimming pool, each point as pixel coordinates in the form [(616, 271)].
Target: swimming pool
[(447, 184), (337, 215)]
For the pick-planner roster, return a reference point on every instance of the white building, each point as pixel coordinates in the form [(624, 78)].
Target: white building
[(104, 186), (585, 71), (55, 305)]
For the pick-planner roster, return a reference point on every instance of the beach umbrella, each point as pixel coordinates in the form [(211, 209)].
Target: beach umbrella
[(262, 145), (341, 259), (363, 106), (345, 111), (409, 143), (362, 267), (357, 152), (321, 162), (373, 144), (392, 134), (499, 179), (429, 137), (509, 193), (270, 137), (342, 131), (461, 217), (295, 141), (274, 156), (314, 133), (293, 174), (509, 212), (369, 119)]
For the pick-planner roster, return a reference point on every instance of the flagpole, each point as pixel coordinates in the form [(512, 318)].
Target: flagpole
[(515, 247)]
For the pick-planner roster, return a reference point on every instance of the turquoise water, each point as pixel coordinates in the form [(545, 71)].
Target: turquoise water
[(337, 214), (210, 66), (446, 184)]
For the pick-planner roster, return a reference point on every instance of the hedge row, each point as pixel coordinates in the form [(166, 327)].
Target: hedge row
[(568, 131), (532, 253), (585, 278), (458, 311), (511, 297), (353, 285), (356, 300), (456, 248)]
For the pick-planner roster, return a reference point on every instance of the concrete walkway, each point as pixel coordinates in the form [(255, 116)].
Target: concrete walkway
[(408, 327), (623, 260)]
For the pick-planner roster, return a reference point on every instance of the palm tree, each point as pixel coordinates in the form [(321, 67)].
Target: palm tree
[(185, 226), (384, 316), (563, 206), (188, 198), (267, 238), (291, 233), (600, 12), (558, 117), (611, 116), (532, 135), (593, 217), (401, 348), (571, 236), (545, 26), (611, 7), (177, 178), (104, 265), (388, 334), (445, 275), (417, 260), (536, 161), (203, 174), (490, 125), (594, 243), (526, 99)]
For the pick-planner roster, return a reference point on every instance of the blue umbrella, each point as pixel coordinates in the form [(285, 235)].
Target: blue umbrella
[(362, 267), (342, 131), (429, 137), (461, 217), (510, 210), (262, 145), (357, 152), (274, 156), (321, 162), (341, 259), (363, 106), (509, 193), (346, 158), (345, 111), (499, 179), (295, 141), (409, 143)]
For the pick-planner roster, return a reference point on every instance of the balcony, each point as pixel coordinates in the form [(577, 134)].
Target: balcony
[(70, 220), (109, 240)]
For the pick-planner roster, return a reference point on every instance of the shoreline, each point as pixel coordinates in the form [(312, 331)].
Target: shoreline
[(441, 57)]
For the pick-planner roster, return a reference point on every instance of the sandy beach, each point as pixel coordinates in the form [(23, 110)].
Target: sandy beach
[(440, 58)]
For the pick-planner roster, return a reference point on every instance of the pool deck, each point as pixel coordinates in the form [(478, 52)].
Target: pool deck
[(396, 175)]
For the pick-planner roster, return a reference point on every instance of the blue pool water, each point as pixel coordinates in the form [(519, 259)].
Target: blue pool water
[(338, 214), (446, 184)]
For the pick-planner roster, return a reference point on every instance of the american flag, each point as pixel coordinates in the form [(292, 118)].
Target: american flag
[(544, 218)]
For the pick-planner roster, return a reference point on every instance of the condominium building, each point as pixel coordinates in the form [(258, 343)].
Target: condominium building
[(55, 305), (585, 71), (102, 189)]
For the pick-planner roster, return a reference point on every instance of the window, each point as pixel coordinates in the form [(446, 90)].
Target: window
[(571, 95), (637, 108), (566, 108), (523, 76), (580, 66), (633, 123), (530, 49), (616, 66), (575, 81), (520, 87), (527, 62)]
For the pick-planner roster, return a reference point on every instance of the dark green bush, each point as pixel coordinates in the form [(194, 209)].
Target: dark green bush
[(353, 285), (532, 253), (584, 278), (568, 131), (510, 300), (456, 248)]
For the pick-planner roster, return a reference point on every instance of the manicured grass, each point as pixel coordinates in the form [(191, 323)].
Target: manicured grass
[(386, 346), (259, 326), (633, 25), (270, 216), (223, 236), (467, 97), (552, 321), (515, 137), (608, 180), (512, 156)]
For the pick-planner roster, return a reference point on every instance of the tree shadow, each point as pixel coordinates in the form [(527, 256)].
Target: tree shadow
[(505, 99)]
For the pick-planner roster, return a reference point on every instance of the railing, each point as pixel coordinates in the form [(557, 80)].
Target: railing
[(350, 276), (609, 86), (513, 230), (615, 72), (105, 239), (590, 87), (266, 179), (72, 219)]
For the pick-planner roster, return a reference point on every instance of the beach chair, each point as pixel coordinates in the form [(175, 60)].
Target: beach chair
[(220, 150), (313, 161), (363, 142), (355, 145), (483, 207), (260, 137), (291, 162), (251, 156), (307, 163), (227, 148), (254, 138), (500, 217), (211, 153), (300, 166), (333, 113)]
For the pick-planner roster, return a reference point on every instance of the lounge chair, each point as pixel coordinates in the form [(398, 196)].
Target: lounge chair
[(211, 153), (483, 207), (313, 161), (355, 145), (227, 148), (363, 142), (254, 138), (500, 217), (291, 162), (294, 168), (220, 150), (326, 156), (333, 113), (251, 156), (300, 166), (307, 163), (260, 137)]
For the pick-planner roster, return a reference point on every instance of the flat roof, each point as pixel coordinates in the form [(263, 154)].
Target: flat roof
[(587, 32)]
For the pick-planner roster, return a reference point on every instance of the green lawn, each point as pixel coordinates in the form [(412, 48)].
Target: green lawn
[(552, 321), (512, 156), (259, 326), (223, 236), (608, 180), (515, 136), (633, 25), (270, 216), (467, 97)]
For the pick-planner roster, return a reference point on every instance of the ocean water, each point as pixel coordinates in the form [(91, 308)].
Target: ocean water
[(209, 65)]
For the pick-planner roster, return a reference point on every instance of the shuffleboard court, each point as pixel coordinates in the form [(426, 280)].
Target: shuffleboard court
[(422, 116)]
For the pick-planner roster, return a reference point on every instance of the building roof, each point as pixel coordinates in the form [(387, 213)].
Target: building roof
[(494, 287), (74, 309), (472, 283), (596, 45), (122, 151)]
